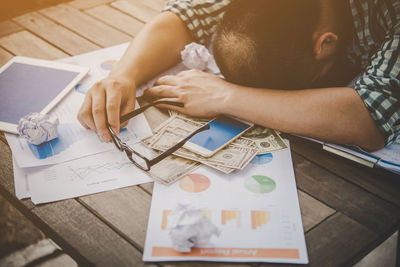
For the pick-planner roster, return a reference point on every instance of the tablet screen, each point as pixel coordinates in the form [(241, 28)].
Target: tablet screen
[(28, 88)]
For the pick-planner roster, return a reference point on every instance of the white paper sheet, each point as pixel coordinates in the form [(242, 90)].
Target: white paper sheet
[(74, 140), (257, 211), (92, 174), (98, 173), (21, 181), (387, 157), (100, 62)]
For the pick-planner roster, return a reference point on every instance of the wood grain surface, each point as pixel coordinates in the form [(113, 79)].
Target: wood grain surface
[(347, 209)]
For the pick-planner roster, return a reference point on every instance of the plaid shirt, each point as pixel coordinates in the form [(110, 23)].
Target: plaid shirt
[(375, 49)]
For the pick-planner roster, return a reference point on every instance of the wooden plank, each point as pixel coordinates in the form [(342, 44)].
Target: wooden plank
[(312, 211), (336, 241), (26, 44), (85, 4), (147, 187), (7, 27), (59, 36), (126, 210), (7, 188), (85, 25), (382, 183), (84, 236), (4, 56), (156, 5), (367, 209), (116, 19), (136, 9)]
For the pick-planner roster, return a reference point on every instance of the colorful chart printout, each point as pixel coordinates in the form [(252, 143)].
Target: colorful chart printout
[(262, 159), (231, 215), (260, 184), (165, 219), (194, 183), (166, 213), (259, 218)]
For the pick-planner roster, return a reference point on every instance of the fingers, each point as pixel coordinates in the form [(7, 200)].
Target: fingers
[(99, 114), (180, 109), (85, 113), (113, 104), (162, 91), (104, 102), (126, 109), (167, 80)]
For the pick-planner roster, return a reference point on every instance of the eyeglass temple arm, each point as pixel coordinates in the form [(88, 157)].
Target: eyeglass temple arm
[(143, 108), (177, 146)]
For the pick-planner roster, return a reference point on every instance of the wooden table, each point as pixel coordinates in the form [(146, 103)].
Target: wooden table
[(347, 209)]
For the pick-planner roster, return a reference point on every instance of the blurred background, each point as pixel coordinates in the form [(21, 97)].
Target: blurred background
[(17, 232), (12, 8)]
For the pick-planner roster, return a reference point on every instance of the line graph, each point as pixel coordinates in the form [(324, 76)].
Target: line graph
[(94, 170)]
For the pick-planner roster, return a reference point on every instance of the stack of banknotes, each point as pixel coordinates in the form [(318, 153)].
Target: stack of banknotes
[(235, 156)]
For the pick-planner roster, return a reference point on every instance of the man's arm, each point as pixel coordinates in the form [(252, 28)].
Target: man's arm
[(335, 115), (156, 48)]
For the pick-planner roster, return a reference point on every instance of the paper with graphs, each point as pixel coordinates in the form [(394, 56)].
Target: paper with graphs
[(256, 210)]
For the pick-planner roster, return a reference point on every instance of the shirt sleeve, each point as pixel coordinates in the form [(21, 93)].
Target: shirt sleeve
[(379, 87), (200, 16)]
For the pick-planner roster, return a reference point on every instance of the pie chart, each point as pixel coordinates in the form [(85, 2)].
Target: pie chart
[(260, 184), (262, 159), (194, 183)]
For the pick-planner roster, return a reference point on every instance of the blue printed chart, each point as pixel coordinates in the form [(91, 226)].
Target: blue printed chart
[(67, 136), (262, 159), (74, 141)]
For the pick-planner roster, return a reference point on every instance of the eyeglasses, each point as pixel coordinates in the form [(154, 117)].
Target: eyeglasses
[(134, 156)]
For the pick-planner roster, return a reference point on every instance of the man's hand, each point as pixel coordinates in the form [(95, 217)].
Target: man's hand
[(105, 101), (203, 94)]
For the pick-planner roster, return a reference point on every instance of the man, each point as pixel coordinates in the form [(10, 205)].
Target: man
[(367, 115)]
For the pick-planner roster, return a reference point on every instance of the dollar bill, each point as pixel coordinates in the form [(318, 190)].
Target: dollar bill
[(233, 156), (171, 169), (177, 113), (265, 139), (172, 123)]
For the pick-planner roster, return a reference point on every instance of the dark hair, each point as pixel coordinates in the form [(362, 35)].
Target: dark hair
[(268, 43)]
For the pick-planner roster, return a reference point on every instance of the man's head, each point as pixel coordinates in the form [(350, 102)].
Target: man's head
[(278, 44)]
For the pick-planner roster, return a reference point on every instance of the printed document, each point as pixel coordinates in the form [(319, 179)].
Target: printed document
[(256, 210)]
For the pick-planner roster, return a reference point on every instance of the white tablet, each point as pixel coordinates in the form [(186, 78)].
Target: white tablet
[(33, 85)]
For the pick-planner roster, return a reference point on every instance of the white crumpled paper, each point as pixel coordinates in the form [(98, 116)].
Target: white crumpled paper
[(196, 56), (38, 128), (189, 227)]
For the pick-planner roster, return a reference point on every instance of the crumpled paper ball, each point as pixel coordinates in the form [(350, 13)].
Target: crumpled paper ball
[(189, 227), (38, 128), (196, 56)]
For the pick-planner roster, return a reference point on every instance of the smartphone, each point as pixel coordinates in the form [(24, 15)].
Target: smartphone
[(223, 130)]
